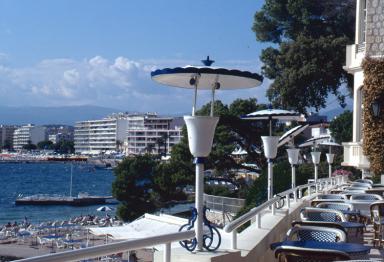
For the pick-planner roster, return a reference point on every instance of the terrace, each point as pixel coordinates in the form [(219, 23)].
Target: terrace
[(269, 223)]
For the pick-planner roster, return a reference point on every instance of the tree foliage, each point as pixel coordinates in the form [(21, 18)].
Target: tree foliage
[(46, 144), (132, 186), (309, 38), (341, 127), (65, 147)]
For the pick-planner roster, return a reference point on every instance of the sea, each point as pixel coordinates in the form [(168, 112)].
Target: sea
[(50, 178)]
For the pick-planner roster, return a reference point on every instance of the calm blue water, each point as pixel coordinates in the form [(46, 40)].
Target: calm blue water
[(49, 178)]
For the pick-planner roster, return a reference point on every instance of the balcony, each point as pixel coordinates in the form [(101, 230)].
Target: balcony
[(353, 155), (354, 57)]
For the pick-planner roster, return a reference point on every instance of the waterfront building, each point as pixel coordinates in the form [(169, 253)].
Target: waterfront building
[(58, 133), (6, 136), (28, 134), (100, 136), (152, 134), (369, 36), (56, 138)]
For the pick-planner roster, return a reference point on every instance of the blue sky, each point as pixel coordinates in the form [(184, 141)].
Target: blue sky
[(56, 53)]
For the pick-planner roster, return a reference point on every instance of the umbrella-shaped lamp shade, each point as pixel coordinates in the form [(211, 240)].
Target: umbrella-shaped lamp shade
[(290, 134), (104, 209), (330, 158), (278, 114), (201, 130), (207, 76), (270, 146), (316, 157), (293, 155)]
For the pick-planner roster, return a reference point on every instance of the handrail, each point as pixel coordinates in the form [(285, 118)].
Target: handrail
[(113, 248), (255, 212)]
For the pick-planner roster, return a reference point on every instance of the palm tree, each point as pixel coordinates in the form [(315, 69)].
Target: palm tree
[(149, 148), (162, 141)]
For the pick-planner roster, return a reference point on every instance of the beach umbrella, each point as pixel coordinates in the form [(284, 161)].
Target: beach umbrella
[(201, 129), (104, 209), (290, 134), (274, 114)]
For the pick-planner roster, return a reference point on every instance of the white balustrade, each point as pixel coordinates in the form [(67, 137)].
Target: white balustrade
[(256, 211), (113, 248)]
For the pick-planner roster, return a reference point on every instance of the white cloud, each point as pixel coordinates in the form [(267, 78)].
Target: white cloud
[(120, 83)]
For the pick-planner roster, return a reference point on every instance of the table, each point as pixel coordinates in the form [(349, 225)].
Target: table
[(349, 248)]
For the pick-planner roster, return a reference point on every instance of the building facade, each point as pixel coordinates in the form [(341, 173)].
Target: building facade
[(369, 42), (59, 137), (6, 136), (152, 134), (28, 134), (100, 136)]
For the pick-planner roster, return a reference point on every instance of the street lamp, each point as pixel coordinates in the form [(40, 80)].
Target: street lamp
[(376, 107), (316, 160), (330, 158), (270, 152), (293, 158)]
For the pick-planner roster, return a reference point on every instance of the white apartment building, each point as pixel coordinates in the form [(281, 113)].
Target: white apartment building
[(146, 131), (368, 42), (28, 134), (6, 135), (98, 136), (56, 138)]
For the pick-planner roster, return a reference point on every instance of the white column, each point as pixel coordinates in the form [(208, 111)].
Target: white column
[(270, 178), (199, 205), (293, 181)]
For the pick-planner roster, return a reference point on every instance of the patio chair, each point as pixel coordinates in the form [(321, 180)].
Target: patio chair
[(335, 205), (319, 224), (377, 218), (359, 184), (316, 233), (372, 197), (292, 254), (366, 181), (315, 202), (331, 196), (322, 214), (343, 207)]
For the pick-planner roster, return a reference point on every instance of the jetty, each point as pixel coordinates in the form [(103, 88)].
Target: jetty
[(82, 199)]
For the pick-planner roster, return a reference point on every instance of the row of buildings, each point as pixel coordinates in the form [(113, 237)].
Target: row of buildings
[(131, 134), (15, 137)]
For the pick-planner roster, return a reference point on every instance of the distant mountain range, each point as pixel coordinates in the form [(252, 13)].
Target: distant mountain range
[(66, 115)]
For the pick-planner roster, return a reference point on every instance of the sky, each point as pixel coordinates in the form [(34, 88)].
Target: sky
[(93, 52)]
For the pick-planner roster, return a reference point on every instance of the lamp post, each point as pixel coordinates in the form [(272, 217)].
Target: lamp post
[(270, 151), (376, 107), (316, 160), (330, 158), (201, 130), (293, 158)]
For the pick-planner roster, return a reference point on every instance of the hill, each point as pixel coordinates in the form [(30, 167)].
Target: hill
[(66, 115)]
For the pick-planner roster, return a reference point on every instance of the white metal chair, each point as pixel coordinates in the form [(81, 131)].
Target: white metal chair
[(316, 233), (322, 214)]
